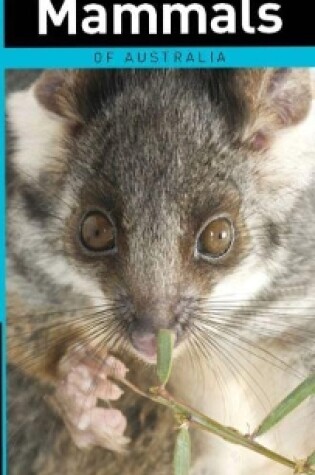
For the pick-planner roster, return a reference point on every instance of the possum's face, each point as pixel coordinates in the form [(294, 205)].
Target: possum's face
[(161, 196)]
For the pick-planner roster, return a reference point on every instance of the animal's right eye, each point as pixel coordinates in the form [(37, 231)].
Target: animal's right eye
[(98, 233)]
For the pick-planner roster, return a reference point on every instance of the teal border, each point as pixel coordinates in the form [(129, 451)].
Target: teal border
[(84, 58)]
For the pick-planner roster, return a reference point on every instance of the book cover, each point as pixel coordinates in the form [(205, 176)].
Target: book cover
[(157, 221)]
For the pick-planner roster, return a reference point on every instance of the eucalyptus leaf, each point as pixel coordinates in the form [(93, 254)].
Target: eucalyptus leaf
[(166, 340), (182, 456), (288, 405)]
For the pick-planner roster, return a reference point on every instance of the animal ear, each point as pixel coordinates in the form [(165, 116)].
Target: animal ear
[(55, 90), (76, 95), (37, 117), (277, 99), (279, 129), (58, 103)]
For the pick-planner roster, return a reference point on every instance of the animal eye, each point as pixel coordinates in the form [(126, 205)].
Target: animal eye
[(97, 232), (216, 239)]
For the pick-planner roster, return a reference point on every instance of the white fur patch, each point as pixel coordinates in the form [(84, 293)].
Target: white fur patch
[(56, 266), (243, 284), (59, 269), (38, 132), (286, 170), (292, 154)]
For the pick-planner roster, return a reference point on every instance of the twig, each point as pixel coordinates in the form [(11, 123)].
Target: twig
[(196, 419)]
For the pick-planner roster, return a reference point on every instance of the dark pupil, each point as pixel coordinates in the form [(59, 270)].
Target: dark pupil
[(222, 235), (97, 233)]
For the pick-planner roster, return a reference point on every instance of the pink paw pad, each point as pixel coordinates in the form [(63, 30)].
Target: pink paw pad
[(84, 381)]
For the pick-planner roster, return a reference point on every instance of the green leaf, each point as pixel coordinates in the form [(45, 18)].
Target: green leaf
[(311, 460), (182, 457), (287, 406), (166, 340)]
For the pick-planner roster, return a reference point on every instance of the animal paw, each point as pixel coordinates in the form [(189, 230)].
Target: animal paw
[(84, 382)]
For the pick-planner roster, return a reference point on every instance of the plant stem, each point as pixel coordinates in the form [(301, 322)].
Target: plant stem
[(199, 420), (230, 435)]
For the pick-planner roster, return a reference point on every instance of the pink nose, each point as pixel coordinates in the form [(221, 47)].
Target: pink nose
[(145, 343)]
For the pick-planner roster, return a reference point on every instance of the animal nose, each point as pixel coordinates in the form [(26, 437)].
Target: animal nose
[(144, 331), (145, 343)]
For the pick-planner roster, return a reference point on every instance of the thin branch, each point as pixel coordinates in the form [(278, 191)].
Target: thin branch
[(196, 419)]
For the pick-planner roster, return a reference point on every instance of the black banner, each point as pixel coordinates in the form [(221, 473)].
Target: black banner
[(239, 23)]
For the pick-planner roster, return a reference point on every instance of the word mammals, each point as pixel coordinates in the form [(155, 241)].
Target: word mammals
[(218, 18)]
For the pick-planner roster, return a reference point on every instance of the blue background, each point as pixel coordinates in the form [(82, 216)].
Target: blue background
[(84, 57)]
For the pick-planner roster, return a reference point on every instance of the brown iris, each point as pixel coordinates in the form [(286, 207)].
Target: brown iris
[(216, 239), (97, 232)]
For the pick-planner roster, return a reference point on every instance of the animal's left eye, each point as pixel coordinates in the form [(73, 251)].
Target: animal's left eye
[(216, 239), (98, 232)]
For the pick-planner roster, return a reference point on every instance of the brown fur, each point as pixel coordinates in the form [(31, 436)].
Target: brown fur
[(151, 428)]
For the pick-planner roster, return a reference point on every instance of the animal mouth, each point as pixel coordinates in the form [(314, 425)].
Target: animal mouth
[(145, 345)]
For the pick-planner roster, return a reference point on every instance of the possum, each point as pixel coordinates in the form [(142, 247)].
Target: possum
[(141, 200)]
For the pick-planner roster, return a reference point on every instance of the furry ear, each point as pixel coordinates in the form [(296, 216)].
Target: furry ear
[(280, 131), (34, 119), (277, 98), (76, 95), (56, 90), (58, 103), (288, 92)]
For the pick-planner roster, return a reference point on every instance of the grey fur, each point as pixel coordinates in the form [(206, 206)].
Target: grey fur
[(163, 152)]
